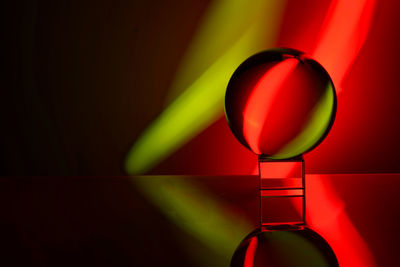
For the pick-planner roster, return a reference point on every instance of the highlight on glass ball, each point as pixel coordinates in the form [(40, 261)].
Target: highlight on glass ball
[(280, 103)]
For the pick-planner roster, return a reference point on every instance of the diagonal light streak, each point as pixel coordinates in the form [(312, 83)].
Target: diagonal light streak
[(222, 44), (202, 102), (196, 211), (191, 112), (221, 26), (256, 109), (342, 35)]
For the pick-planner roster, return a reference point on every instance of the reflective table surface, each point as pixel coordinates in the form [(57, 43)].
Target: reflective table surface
[(184, 220)]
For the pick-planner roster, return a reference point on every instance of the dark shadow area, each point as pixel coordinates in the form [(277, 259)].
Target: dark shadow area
[(84, 222)]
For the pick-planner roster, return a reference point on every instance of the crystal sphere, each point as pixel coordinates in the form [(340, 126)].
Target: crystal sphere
[(284, 248), (280, 103)]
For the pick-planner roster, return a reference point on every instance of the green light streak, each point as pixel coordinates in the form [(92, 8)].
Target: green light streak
[(197, 212), (191, 112), (232, 30), (202, 102), (314, 130), (221, 26)]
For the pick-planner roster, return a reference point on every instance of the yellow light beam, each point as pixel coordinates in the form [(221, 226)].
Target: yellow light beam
[(202, 102), (222, 25), (197, 212)]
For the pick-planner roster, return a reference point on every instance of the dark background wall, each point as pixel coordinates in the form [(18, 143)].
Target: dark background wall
[(84, 78)]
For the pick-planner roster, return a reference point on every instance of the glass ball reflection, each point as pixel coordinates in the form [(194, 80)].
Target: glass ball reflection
[(284, 248), (280, 103)]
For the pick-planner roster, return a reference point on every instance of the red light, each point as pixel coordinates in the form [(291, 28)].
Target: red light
[(259, 104), (280, 103), (250, 253)]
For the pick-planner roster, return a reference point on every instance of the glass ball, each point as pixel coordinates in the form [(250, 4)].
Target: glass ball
[(280, 103), (284, 248)]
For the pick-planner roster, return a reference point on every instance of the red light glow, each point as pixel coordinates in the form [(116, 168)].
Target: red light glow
[(326, 214), (260, 101), (340, 40), (250, 253)]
